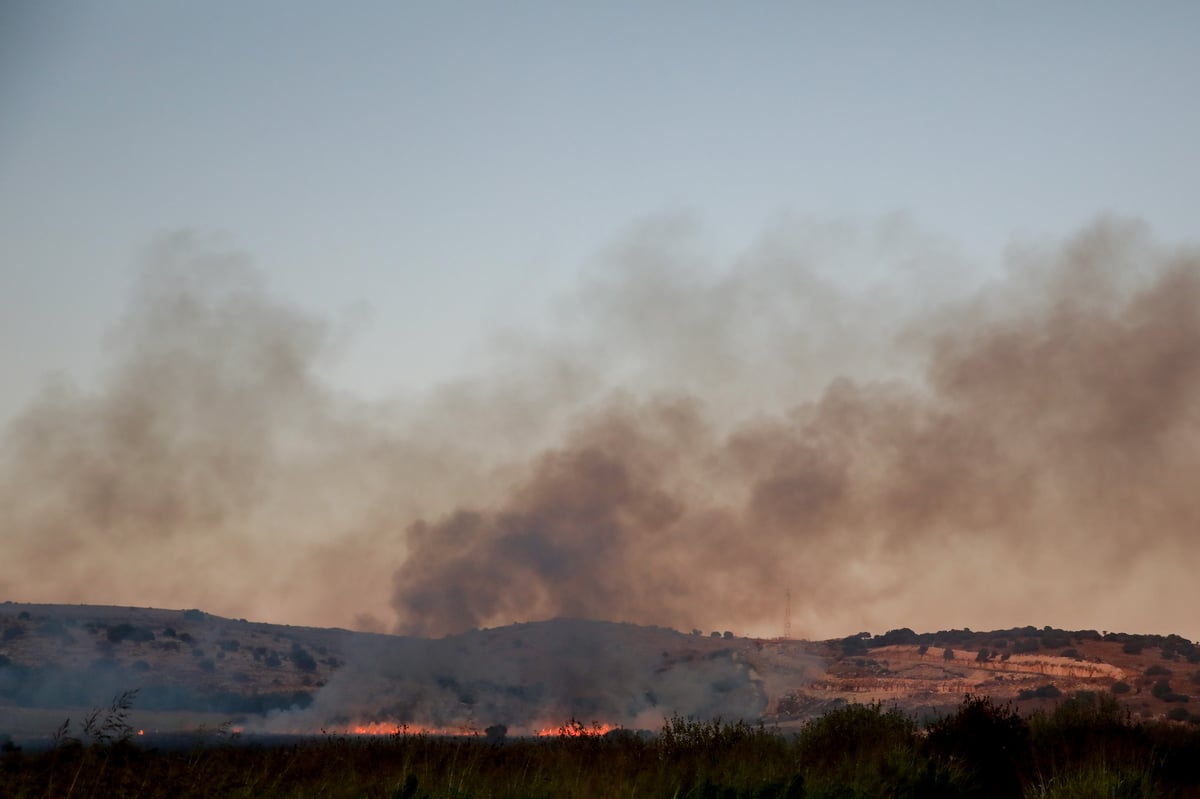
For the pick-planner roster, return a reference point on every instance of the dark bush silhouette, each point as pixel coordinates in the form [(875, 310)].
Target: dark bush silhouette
[(301, 659), (990, 741), (1042, 692)]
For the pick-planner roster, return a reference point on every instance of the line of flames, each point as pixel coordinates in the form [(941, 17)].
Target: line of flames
[(571, 729)]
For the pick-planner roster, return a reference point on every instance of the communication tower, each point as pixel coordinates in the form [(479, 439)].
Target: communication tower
[(787, 615)]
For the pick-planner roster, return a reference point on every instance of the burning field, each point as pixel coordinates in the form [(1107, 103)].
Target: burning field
[(567, 708), (192, 670)]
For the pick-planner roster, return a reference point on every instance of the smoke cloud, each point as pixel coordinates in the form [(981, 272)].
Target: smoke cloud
[(694, 440)]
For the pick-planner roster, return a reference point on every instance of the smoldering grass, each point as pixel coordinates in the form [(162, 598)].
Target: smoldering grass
[(1081, 749)]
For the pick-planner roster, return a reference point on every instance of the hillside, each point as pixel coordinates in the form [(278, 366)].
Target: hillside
[(190, 667)]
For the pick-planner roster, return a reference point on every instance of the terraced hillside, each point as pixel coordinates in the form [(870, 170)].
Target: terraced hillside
[(193, 668)]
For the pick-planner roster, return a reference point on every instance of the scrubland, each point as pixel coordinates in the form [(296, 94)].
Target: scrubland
[(1087, 746)]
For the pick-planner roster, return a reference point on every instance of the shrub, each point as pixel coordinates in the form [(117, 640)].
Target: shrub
[(14, 632), (1043, 692), (947, 654), (1178, 714), (843, 739), (496, 733), (301, 659), (1157, 671), (1120, 688), (128, 632), (1132, 647), (990, 741)]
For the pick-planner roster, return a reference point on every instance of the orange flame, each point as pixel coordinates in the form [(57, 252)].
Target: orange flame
[(390, 728), (570, 729), (576, 729), (141, 732)]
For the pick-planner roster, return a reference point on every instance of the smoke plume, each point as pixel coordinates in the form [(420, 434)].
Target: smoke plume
[(693, 441)]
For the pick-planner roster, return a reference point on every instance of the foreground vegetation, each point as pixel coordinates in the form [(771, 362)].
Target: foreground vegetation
[(1086, 748)]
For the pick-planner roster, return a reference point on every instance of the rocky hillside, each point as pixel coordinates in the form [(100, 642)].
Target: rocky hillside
[(529, 676)]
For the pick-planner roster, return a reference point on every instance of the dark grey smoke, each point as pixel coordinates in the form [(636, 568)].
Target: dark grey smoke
[(693, 441), (1041, 467)]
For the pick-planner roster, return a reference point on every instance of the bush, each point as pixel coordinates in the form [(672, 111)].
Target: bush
[(14, 632), (1120, 688), (128, 632), (1157, 671), (1178, 714), (842, 740), (990, 741), (947, 654), (1043, 692), (301, 659)]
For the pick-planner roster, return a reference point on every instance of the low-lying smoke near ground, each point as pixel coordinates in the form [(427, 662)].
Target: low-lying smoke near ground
[(691, 441)]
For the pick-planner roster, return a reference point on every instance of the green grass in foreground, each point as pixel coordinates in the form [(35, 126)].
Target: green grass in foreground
[(1085, 748)]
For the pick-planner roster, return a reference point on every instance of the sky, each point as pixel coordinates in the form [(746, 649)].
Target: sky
[(477, 236)]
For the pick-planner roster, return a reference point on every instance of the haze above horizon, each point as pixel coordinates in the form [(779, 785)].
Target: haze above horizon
[(424, 317)]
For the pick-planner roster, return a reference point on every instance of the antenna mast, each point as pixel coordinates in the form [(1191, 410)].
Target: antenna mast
[(787, 615)]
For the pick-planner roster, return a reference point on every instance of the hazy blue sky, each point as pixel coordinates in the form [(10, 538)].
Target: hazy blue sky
[(447, 166)]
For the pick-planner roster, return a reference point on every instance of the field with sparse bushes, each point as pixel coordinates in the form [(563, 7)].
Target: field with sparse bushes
[(1086, 747)]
